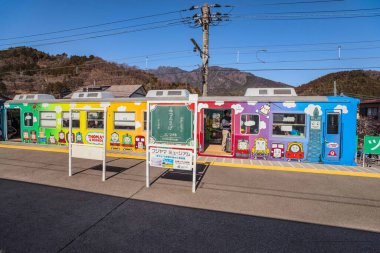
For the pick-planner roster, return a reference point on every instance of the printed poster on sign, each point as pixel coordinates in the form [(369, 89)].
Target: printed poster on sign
[(171, 158), (332, 145), (95, 138)]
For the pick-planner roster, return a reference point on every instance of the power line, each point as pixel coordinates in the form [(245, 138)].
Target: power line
[(316, 14), (301, 44), (178, 57), (88, 33), (301, 51), (302, 18), (302, 60), (288, 69), (316, 11), (102, 61), (170, 21), (222, 48), (144, 17), (107, 35), (96, 25), (291, 3)]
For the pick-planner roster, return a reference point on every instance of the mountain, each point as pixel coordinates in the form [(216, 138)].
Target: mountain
[(222, 81), (356, 83), (27, 70)]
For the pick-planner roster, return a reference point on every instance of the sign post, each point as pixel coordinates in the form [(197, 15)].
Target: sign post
[(88, 151), (172, 136), (371, 146)]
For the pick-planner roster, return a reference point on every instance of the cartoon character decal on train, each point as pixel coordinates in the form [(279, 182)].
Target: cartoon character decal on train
[(140, 142), (277, 150), (79, 138), (33, 136), (114, 141), (127, 142), (260, 148), (72, 137), (242, 147), (295, 151), (61, 138)]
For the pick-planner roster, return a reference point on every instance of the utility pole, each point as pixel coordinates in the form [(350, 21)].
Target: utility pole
[(205, 28), (205, 20), (335, 88)]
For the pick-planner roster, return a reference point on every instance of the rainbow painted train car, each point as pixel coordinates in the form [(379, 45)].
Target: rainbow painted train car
[(279, 126)]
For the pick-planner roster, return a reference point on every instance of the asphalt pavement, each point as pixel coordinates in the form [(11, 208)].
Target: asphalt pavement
[(42, 209), (39, 218)]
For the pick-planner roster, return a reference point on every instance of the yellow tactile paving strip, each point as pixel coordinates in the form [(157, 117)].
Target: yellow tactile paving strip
[(221, 162)]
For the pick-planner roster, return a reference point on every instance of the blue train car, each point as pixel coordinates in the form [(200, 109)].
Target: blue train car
[(319, 129)]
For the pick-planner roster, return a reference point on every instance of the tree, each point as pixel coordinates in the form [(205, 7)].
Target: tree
[(3, 88), (367, 126)]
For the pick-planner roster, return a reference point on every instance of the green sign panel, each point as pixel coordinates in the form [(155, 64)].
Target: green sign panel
[(372, 145), (171, 124)]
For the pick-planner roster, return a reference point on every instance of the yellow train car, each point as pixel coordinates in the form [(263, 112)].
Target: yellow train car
[(46, 121)]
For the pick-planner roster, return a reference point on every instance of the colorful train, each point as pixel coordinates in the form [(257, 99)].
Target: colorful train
[(318, 129)]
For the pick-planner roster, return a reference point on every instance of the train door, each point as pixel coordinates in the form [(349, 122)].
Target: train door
[(13, 125), (2, 119), (216, 139), (332, 136)]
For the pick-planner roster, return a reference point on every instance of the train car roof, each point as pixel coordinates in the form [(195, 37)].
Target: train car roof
[(280, 99), (203, 99)]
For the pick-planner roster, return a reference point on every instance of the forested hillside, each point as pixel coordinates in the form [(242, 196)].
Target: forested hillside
[(356, 83), (27, 70)]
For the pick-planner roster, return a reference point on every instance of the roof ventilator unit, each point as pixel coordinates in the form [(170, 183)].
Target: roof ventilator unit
[(92, 94), (33, 97), (168, 93), (273, 92)]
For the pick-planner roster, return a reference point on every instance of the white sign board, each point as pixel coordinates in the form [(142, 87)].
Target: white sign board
[(171, 158), (87, 151), (96, 149), (171, 155)]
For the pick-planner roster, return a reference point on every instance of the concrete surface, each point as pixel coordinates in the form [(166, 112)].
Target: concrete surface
[(327, 205)]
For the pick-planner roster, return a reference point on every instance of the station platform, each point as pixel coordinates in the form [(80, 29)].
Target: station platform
[(317, 168)]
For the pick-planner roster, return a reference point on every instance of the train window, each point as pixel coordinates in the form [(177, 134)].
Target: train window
[(263, 92), (249, 124), (29, 97), (48, 119), (28, 119), (292, 124), (66, 119), (159, 93), (174, 92), (332, 123), (124, 120), (145, 120), (92, 95), (95, 120), (282, 91)]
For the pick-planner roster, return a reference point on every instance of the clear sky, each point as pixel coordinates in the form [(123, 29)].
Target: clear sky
[(246, 42)]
